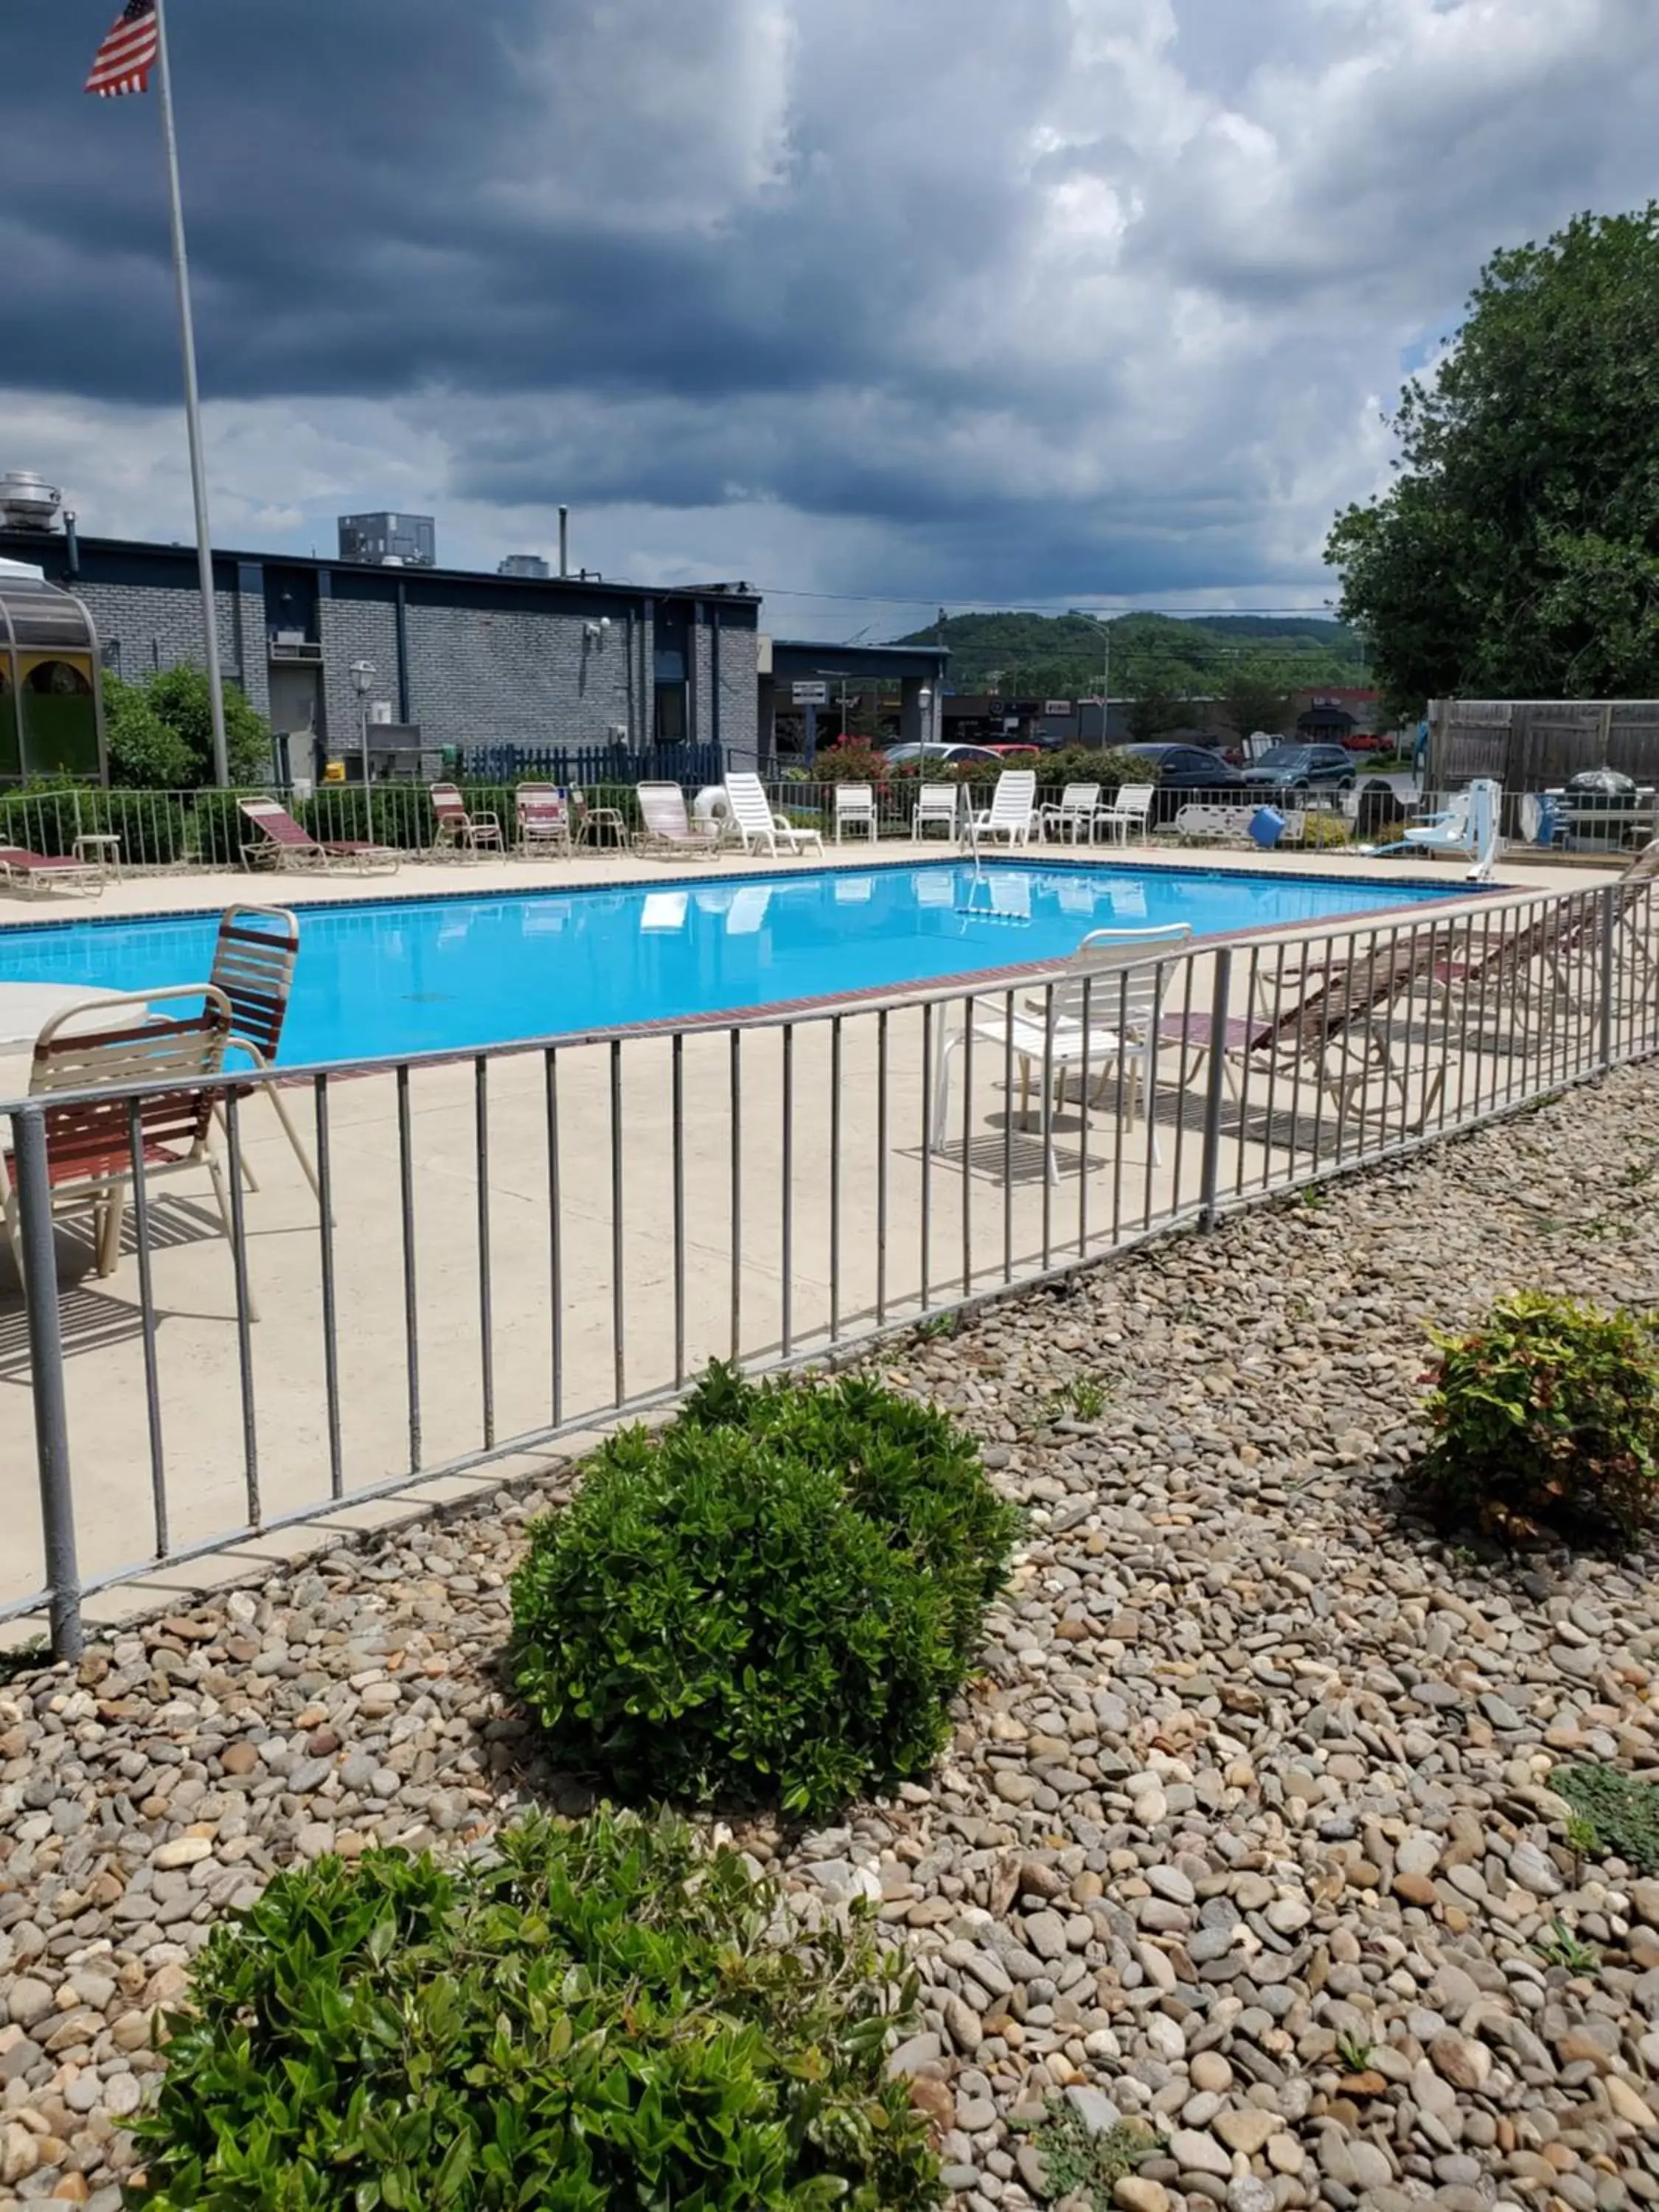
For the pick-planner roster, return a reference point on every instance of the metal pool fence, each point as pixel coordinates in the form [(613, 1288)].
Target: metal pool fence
[(511, 1248), (160, 830)]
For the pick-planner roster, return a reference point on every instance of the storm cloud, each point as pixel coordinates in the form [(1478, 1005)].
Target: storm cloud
[(939, 299)]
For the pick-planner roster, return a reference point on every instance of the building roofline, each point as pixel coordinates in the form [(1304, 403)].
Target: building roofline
[(870, 652), (53, 542)]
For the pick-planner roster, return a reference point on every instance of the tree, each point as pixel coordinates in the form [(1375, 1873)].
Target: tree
[(1253, 698), (1517, 555), (1156, 708), (180, 697), (145, 753)]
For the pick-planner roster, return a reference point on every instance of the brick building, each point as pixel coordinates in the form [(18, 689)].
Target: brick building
[(467, 660)]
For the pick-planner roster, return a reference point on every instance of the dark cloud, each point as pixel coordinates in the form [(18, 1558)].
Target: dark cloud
[(1078, 295)]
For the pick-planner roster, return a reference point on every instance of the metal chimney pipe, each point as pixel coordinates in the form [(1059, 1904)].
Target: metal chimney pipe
[(564, 541)]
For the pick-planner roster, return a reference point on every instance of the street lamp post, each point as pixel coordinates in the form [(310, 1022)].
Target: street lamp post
[(363, 682)]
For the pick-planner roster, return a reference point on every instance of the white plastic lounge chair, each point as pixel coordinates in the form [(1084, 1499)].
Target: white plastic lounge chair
[(543, 820), (1102, 1010), (1468, 825), (89, 1150), (36, 875), (1128, 814), (456, 831), (936, 804), (1011, 813), (855, 808), (665, 828), (288, 846), (1201, 824), (757, 828), (1074, 816)]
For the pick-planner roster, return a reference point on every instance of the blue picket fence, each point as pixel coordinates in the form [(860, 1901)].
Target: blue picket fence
[(573, 766)]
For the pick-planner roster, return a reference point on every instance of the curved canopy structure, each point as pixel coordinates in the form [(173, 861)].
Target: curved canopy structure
[(52, 708)]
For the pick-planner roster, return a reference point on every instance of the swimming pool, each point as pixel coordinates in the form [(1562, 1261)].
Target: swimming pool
[(389, 976)]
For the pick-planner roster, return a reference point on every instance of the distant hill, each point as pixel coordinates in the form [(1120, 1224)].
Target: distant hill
[(1064, 656)]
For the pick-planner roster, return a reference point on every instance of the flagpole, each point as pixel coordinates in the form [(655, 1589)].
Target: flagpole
[(192, 407)]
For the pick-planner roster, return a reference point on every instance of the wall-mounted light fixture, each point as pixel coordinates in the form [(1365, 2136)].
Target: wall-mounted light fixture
[(595, 633)]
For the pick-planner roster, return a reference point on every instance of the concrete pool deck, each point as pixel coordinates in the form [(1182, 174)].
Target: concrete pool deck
[(813, 1185)]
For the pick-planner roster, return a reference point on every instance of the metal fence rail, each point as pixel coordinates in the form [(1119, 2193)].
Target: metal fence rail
[(161, 830), (513, 1246)]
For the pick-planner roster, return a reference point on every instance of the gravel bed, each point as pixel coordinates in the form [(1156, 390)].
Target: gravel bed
[(1247, 1829)]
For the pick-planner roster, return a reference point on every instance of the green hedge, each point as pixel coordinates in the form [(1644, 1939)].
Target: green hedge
[(605, 2020), (775, 1598)]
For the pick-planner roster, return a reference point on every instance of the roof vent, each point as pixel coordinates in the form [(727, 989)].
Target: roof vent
[(28, 501)]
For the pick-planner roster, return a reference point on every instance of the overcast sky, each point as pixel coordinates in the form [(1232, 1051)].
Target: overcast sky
[(1013, 301)]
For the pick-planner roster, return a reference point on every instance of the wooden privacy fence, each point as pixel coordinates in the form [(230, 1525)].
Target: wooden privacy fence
[(1536, 744)]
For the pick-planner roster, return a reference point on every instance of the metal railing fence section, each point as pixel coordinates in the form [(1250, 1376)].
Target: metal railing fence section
[(516, 1245)]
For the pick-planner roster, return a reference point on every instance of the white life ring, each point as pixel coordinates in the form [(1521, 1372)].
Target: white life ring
[(711, 804)]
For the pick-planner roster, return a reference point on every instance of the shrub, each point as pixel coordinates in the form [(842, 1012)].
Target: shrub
[(179, 698), (1319, 828), (1546, 1415), (145, 752), (855, 762), (603, 2021), (777, 1596)]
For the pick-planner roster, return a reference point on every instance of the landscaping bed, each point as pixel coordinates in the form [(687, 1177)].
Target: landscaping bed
[(1247, 1829)]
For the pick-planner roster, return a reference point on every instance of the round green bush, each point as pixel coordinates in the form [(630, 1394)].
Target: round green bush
[(603, 2021), (1546, 1416), (775, 1599)]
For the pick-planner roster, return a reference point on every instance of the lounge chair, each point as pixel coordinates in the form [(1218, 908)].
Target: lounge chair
[(544, 819), (456, 831), (665, 828), (1074, 816), (89, 1150), (1199, 823), (855, 808), (1102, 1011), (286, 845), (936, 804), (1338, 1011), (1128, 814), (37, 875), (253, 962), (757, 828), (1011, 813)]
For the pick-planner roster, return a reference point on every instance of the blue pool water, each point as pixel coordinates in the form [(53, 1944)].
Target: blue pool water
[(434, 975)]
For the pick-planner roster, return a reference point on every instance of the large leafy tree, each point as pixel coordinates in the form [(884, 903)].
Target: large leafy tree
[(1516, 555)]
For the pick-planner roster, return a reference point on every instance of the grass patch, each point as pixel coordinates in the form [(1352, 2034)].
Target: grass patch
[(1621, 1814)]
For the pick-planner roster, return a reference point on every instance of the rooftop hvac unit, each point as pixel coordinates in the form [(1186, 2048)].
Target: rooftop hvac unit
[(28, 501)]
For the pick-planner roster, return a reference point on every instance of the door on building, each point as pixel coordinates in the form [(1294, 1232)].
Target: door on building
[(296, 709)]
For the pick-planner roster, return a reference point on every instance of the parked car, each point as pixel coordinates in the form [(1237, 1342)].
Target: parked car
[(1016, 752), (1369, 741), (1183, 772), (1302, 768), (931, 756)]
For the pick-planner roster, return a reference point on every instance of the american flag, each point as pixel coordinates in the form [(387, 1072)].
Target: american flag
[(128, 53)]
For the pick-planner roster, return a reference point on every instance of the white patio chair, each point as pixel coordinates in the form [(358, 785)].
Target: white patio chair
[(756, 827), (1074, 816), (936, 803), (855, 808), (1011, 813), (1102, 1010), (1129, 813)]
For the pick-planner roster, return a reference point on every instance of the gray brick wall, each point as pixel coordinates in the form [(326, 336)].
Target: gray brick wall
[(504, 679), (252, 651), (162, 629), (740, 667), (355, 629)]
